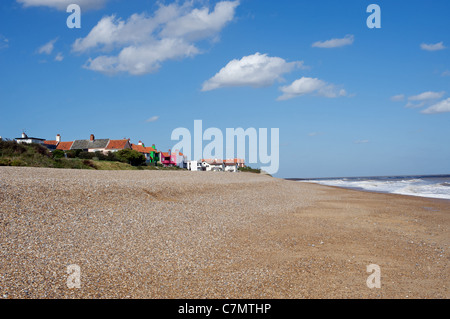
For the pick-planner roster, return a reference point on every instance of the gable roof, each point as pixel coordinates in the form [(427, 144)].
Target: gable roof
[(117, 144), (142, 148), (65, 146), (51, 143), (88, 144)]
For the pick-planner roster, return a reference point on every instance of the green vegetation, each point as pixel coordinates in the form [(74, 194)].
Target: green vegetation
[(35, 155), (249, 170), (131, 157)]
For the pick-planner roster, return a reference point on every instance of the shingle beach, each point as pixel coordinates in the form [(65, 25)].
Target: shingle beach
[(178, 234)]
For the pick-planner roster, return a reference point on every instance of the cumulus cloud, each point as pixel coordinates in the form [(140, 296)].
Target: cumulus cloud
[(440, 107), (59, 57), (62, 4), (257, 70), (361, 141), (424, 99), (334, 43), (306, 85), (429, 95), (152, 119), (433, 47), (397, 98), (144, 42), (48, 47)]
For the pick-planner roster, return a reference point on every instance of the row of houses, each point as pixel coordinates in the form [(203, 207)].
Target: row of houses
[(152, 155)]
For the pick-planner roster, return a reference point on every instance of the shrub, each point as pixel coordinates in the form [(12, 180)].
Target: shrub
[(89, 163), (111, 156), (58, 154), (86, 155), (72, 153), (17, 162), (131, 157), (8, 148), (249, 169), (40, 149)]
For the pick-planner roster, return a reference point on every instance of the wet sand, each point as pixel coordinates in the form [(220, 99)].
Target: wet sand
[(176, 234)]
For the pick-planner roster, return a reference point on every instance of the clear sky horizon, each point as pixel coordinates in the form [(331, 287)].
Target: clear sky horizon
[(348, 100)]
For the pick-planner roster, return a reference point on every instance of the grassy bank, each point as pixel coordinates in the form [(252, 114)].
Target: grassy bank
[(35, 155)]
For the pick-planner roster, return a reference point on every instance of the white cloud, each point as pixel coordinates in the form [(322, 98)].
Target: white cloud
[(446, 73), (48, 47), (427, 96), (144, 42), (255, 70), (397, 98), (335, 43), (415, 105), (152, 119), (59, 57), (433, 47), (440, 107), (307, 85), (62, 4), (361, 141)]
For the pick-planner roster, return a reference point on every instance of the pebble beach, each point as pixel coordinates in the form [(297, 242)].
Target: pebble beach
[(180, 234)]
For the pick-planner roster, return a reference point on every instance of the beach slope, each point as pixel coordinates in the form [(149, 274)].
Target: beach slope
[(178, 234)]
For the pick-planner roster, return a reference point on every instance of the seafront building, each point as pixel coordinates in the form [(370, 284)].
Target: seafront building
[(152, 155)]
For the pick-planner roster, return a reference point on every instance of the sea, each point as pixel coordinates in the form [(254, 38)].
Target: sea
[(432, 186)]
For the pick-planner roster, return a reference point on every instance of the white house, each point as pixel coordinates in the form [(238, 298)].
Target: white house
[(29, 140), (212, 165), (194, 166)]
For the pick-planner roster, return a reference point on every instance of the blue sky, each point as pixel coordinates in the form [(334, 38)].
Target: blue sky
[(348, 100)]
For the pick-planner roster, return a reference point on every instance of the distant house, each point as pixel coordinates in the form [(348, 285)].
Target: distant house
[(29, 140), (150, 153), (118, 145), (231, 165), (52, 145), (212, 165), (169, 159), (90, 145), (228, 165), (64, 146)]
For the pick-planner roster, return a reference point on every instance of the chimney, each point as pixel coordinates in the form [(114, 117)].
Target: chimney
[(92, 137), (24, 135), (58, 138), (140, 143)]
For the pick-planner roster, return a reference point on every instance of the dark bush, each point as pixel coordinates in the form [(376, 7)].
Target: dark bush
[(111, 156), (72, 153), (89, 163), (40, 149), (131, 157), (86, 155), (11, 148), (58, 154)]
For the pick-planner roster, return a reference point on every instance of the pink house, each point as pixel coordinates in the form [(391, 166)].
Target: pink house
[(169, 158)]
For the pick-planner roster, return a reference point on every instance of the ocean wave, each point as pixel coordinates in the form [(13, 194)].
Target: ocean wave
[(413, 187)]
